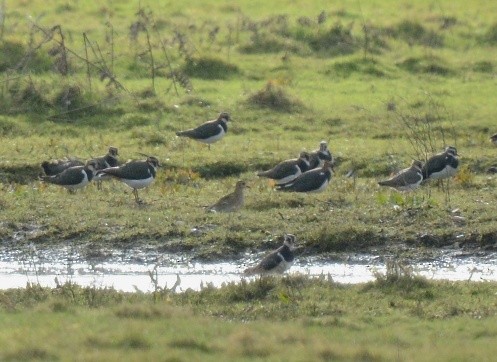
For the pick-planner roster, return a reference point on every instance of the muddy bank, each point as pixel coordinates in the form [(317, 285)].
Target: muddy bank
[(26, 236)]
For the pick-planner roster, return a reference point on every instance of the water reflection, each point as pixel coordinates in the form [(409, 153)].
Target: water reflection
[(136, 270)]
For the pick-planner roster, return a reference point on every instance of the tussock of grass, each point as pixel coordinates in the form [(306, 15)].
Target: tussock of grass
[(209, 68), (265, 42), (190, 344), (220, 169), (491, 34), (430, 65), (17, 57), (358, 66), (274, 97), (30, 354), (415, 33)]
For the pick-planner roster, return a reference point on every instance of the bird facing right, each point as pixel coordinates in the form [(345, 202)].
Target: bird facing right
[(278, 261), (287, 171), (315, 180), (442, 165), (406, 180), (73, 178), (320, 155), (231, 202), (137, 174), (208, 132)]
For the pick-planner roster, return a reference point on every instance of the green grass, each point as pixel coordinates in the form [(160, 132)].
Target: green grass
[(413, 79), (382, 81), (269, 319)]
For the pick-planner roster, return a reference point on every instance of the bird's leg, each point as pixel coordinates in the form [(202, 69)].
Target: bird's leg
[(99, 185), (135, 192)]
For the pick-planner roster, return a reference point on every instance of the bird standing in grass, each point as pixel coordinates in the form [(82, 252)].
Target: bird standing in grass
[(54, 167), (278, 261), (231, 202), (137, 174), (73, 178), (315, 180), (442, 165), (317, 157), (287, 171), (407, 179), (208, 132), (103, 162)]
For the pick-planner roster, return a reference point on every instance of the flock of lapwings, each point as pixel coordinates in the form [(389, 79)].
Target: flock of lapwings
[(310, 172)]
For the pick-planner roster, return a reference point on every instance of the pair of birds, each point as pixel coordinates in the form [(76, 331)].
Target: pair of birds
[(310, 172), (73, 174), (438, 167)]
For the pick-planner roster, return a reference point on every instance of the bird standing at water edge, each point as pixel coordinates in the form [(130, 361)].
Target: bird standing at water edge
[(208, 132), (137, 174), (278, 261)]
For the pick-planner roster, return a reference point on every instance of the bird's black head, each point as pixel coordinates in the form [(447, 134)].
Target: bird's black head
[(225, 116), (289, 240), (305, 155), (451, 150), (153, 161), (113, 151)]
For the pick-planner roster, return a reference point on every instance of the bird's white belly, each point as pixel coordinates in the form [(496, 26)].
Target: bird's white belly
[(82, 184), (139, 184), (321, 188), (289, 178), (215, 138), (445, 173)]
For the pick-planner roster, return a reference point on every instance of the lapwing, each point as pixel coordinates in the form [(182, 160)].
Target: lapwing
[(54, 167), (442, 165), (73, 178), (320, 155), (137, 174), (103, 162), (315, 180), (493, 139), (407, 179), (231, 202), (278, 261), (208, 132), (288, 170)]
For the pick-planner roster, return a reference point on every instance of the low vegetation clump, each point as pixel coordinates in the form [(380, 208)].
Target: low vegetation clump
[(275, 97)]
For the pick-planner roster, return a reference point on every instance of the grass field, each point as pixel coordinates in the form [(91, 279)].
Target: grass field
[(382, 81)]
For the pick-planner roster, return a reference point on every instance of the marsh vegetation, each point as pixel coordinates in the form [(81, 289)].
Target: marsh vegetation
[(382, 82)]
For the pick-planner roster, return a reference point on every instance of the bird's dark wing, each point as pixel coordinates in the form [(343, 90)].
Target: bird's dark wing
[(270, 262), (281, 170), (133, 170), (308, 181), (205, 130), (70, 176)]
